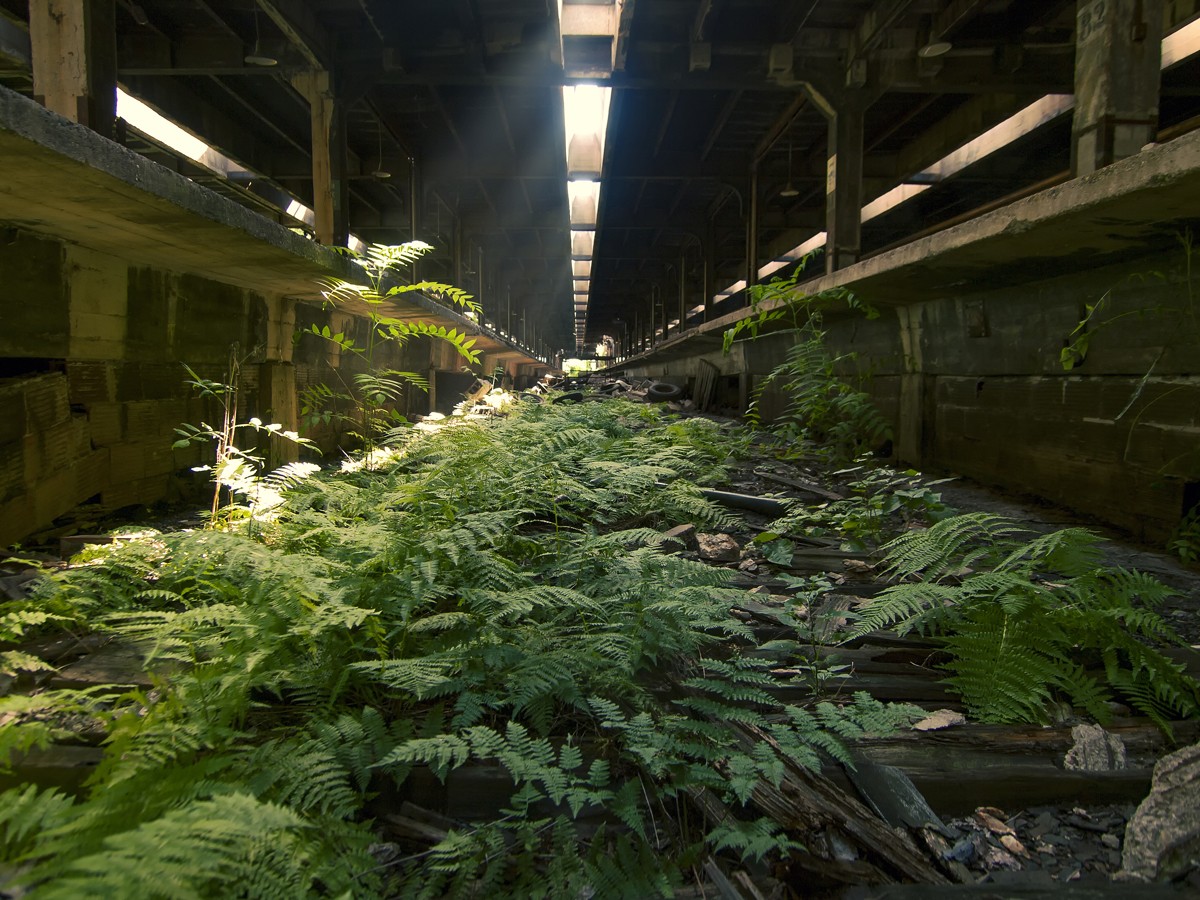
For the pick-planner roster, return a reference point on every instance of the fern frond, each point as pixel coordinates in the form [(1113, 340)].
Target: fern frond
[(205, 849)]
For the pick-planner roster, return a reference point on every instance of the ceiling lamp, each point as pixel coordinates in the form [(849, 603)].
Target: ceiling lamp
[(257, 57), (789, 189), (380, 172), (935, 48)]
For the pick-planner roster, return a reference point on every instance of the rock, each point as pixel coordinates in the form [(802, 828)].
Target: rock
[(1162, 840), (718, 548), (1095, 750), (684, 534)]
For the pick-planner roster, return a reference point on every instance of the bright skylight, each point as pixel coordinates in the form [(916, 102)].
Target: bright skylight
[(160, 128)]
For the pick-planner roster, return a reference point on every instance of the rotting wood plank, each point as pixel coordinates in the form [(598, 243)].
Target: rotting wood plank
[(808, 802)]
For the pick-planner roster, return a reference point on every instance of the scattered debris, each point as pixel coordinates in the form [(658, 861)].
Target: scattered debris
[(940, 718), (685, 535), (718, 547)]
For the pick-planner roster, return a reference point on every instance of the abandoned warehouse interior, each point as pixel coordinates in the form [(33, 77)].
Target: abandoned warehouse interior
[(577, 642)]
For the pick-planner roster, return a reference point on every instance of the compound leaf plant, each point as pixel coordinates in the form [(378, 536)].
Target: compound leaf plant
[(493, 594), (366, 403)]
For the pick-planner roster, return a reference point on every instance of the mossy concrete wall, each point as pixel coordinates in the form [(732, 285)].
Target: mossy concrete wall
[(973, 383), (92, 383), (965, 357)]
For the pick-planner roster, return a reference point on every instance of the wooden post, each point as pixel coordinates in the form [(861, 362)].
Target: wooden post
[(74, 49), (752, 231), (710, 279), (1117, 73), (843, 183), (328, 156)]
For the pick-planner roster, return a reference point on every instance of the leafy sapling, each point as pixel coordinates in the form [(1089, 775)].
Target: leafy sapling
[(235, 469)]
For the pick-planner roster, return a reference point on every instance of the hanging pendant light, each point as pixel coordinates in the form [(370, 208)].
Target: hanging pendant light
[(789, 189), (257, 57), (380, 172)]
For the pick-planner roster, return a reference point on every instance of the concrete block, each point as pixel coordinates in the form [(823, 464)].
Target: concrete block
[(159, 459), (139, 492), (12, 413), (31, 453), (105, 423), (16, 518), (96, 281), (12, 471), (35, 315), (91, 475), (63, 444), (90, 381), (153, 420), (90, 330), (52, 497), (46, 401), (151, 309), (127, 463)]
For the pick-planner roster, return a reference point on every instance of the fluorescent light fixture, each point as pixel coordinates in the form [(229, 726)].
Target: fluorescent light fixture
[(581, 268), (583, 285)]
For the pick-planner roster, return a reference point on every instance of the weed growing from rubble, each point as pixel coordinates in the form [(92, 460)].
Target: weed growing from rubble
[(236, 468), (823, 416), (441, 611)]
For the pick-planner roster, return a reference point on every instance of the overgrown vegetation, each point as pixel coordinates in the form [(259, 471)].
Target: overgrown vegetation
[(237, 466), (823, 416), (496, 594), (365, 406), (1032, 621)]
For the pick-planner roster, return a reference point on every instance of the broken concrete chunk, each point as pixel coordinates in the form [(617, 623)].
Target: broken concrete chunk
[(1162, 840), (1095, 750), (940, 718), (719, 547), (685, 535)]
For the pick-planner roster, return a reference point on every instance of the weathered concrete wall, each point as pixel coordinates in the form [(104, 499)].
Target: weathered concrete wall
[(965, 357), (983, 391), (973, 383), (93, 383)]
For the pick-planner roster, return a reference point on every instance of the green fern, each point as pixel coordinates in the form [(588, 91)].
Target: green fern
[(1015, 610)]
